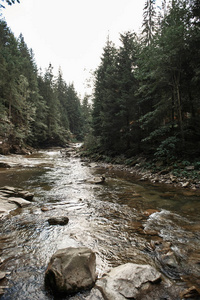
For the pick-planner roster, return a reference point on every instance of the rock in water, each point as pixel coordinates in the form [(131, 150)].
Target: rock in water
[(96, 180), (71, 270), (19, 201), (16, 192), (4, 165), (58, 221), (128, 281)]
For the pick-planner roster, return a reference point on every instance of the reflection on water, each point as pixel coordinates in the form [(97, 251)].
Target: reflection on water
[(109, 218)]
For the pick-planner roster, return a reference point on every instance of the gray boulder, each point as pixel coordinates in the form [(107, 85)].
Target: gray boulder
[(20, 202), (9, 191), (128, 281), (71, 270), (12, 198), (6, 207)]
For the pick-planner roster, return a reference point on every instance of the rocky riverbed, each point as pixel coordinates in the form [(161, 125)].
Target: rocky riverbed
[(128, 223)]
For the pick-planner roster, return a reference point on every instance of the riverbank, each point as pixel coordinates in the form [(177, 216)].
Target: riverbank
[(183, 174)]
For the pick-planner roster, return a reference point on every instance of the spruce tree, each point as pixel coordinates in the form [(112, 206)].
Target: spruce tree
[(127, 87), (106, 109), (74, 112), (149, 22)]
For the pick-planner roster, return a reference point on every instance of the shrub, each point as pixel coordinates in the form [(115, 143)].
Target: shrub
[(167, 149)]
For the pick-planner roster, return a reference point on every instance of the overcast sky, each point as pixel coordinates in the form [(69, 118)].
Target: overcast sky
[(72, 33)]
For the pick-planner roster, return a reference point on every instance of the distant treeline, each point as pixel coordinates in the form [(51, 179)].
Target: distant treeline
[(147, 91), (35, 109)]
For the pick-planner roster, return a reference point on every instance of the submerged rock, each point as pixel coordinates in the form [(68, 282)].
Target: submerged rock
[(71, 270)]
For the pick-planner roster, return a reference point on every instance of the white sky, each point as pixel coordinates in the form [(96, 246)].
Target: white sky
[(72, 33)]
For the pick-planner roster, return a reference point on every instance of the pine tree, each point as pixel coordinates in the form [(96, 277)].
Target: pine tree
[(74, 112), (86, 115), (61, 91), (106, 109), (166, 79), (54, 134), (127, 87), (149, 21)]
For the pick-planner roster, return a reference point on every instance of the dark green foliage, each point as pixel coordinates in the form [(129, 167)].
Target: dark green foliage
[(127, 86), (14, 95), (146, 96), (86, 115), (9, 2), (35, 109), (149, 21), (105, 108), (74, 112), (114, 112)]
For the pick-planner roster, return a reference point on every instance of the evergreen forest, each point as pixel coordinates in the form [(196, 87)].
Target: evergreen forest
[(37, 110), (145, 95), (146, 92)]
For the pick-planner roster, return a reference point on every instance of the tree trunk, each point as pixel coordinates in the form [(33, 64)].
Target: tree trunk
[(10, 107), (179, 109)]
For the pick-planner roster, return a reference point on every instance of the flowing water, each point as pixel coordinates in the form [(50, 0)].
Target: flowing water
[(122, 220)]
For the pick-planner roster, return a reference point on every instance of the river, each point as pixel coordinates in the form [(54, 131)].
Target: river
[(122, 220)]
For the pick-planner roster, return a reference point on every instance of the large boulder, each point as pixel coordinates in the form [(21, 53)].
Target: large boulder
[(128, 281), (71, 270)]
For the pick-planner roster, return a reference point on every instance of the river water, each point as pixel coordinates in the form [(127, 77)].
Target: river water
[(122, 220)]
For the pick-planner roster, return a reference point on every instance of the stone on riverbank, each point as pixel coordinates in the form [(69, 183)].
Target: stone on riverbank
[(71, 270), (128, 281)]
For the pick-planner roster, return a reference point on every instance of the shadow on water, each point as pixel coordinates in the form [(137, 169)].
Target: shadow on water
[(121, 220)]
